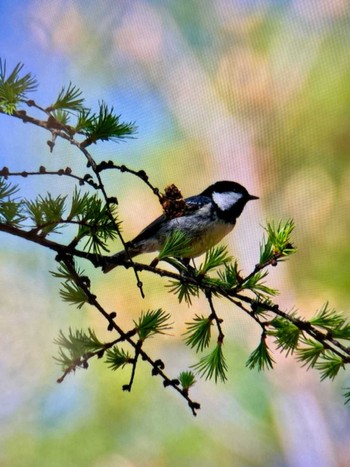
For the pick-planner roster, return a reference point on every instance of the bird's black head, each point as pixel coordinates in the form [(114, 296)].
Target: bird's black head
[(229, 199)]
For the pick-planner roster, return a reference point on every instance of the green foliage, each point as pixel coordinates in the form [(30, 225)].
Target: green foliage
[(176, 245), (187, 379), (85, 119), (7, 189), (46, 213), (152, 322), (229, 276), (214, 258), (329, 364), (94, 218), (198, 333), (104, 126), (96, 221), (64, 273), (68, 99), (70, 291), (341, 332), (11, 211), (347, 395), (327, 318), (61, 116), (310, 352), (13, 87), (117, 358), (333, 322), (255, 284), (79, 205), (277, 245), (73, 294), (261, 356), (286, 333), (184, 290), (212, 365), (76, 345)]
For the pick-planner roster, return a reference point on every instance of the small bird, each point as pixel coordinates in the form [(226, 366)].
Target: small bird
[(206, 219)]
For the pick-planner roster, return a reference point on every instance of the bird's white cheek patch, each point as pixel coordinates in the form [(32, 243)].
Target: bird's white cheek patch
[(226, 200)]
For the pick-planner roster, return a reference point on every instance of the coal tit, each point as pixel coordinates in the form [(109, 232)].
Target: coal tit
[(207, 218)]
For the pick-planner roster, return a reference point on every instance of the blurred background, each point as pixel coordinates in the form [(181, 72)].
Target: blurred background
[(255, 91)]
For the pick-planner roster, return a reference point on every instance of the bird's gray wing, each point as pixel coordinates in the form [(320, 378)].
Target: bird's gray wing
[(193, 203)]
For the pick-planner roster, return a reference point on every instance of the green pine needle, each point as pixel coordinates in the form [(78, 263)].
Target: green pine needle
[(76, 345), (13, 87), (261, 356), (256, 284), (329, 364), (187, 379), (310, 352), (7, 189), (229, 276), (11, 211), (85, 120), (64, 273), (104, 126), (278, 244), (68, 99), (46, 212), (327, 318), (214, 258), (286, 333), (176, 245), (212, 365), (198, 333), (61, 116), (95, 222), (70, 292), (347, 395), (152, 322), (184, 290), (117, 358), (333, 322), (79, 204), (341, 332), (73, 294)]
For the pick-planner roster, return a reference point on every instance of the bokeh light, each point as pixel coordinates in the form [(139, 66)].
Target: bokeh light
[(254, 91)]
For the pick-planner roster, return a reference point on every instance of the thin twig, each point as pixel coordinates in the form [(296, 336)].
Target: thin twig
[(125, 336), (214, 316)]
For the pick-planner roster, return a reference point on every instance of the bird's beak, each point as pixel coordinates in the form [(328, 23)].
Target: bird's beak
[(252, 197)]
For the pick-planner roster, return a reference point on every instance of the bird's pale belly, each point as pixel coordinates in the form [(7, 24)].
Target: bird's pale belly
[(209, 238)]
